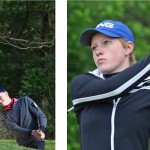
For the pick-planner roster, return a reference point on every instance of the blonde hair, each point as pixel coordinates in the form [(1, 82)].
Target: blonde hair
[(132, 59)]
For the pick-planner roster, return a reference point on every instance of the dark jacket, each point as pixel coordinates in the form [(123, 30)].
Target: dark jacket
[(114, 113), (22, 119)]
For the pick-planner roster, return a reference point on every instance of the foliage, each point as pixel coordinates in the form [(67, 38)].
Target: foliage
[(27, 53), (87, 14)]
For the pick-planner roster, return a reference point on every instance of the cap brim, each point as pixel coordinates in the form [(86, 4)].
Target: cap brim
[(86, 36)]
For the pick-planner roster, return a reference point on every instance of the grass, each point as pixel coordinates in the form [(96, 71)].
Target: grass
[(11, 145)]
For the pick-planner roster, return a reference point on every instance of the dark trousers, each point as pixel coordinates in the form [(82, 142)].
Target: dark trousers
[(40, 145), (32, 143)]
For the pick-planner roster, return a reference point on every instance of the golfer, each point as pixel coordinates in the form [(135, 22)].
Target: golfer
[(112, 103), (24, 119)]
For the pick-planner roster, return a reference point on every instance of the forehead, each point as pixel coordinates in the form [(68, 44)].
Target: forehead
[(2, 93), (98, 37)]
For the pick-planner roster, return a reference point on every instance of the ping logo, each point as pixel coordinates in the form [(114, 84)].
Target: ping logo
[(106, 24)]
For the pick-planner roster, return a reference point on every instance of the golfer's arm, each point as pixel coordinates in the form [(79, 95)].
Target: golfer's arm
[(86, 88), (15, 128), (37, 112), (41, 117), (43, 121)]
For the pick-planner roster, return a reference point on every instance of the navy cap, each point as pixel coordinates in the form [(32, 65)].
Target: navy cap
[(114, 29), (2, 89)]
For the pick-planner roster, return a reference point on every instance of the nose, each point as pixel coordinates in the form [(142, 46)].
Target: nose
[(99, 51)]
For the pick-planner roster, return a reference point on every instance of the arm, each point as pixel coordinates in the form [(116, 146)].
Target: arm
[(41, 119), (87, 88), (13, 127), (38, 113)]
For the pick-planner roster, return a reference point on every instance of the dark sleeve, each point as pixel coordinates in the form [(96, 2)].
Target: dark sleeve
[(13, 127), (38, 113), (88, 88)]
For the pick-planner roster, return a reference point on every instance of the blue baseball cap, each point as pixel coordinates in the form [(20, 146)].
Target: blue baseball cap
[(2, 89), (110, 28)]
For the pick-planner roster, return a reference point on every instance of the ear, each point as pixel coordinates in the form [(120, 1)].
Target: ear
[(6, 92), (129, 48)]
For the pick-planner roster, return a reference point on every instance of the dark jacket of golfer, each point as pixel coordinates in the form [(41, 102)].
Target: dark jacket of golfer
[(24, 117), (114, 112)]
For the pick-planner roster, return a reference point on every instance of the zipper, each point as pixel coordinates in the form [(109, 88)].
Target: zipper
[(113, 122)]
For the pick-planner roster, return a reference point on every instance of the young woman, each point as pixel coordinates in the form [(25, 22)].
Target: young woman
[(112, 103)]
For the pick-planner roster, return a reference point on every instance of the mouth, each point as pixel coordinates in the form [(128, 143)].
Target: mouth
[(100, 60)]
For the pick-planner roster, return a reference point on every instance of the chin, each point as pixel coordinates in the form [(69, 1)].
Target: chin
[(107, 69), (104, 71)]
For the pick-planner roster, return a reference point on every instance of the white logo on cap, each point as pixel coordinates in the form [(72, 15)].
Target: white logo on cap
[(106, 24)]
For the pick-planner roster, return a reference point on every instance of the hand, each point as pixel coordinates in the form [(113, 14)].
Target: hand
[(38, 133)]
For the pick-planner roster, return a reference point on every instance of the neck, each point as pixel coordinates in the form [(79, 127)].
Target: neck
[(109, 75)]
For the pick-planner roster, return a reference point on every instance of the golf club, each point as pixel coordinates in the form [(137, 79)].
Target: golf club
[(38, 121), (70, 109)]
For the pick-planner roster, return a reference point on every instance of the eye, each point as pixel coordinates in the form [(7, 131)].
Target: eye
[(106, 42), (93, 48)]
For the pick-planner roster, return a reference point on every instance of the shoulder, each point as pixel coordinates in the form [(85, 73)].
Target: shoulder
[(82, 84), (83, 79), (25, 99)]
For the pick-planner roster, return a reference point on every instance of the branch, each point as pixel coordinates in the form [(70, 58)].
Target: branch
[(25, 44), (27, 47), (13, 39)]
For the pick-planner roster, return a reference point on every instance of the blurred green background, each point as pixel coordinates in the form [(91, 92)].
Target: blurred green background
[(86, 14)]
